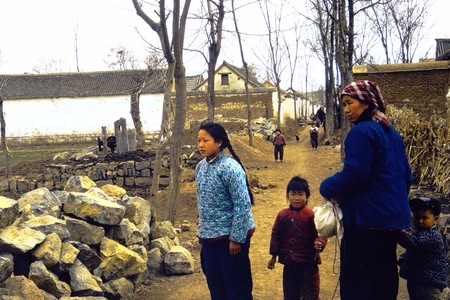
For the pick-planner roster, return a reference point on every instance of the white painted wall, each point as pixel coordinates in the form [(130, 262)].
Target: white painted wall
[(77, 115)]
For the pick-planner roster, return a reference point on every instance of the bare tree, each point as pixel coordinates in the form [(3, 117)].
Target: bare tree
[(45, 66), (173, 53), (247, 74), (215, 20), (409, 18), (121, 59), (3, 133), (292, 54), (276, 51)]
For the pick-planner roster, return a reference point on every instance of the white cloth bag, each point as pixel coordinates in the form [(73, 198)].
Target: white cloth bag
[(328, 219)]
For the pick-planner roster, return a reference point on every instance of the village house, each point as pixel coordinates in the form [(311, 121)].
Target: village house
[(74, 106)]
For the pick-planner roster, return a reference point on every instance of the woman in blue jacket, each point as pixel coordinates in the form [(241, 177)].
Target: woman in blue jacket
[(372, 191)]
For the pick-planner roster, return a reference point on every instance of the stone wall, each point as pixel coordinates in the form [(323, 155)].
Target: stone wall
[(132, 170), (422, 87), (231, 104)]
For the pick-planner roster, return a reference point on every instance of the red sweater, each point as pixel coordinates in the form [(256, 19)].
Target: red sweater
[(293, 237)]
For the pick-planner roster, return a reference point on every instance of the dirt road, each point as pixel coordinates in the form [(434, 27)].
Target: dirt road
[(301, 160)]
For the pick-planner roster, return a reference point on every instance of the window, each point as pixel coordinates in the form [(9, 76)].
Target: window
[(225, 80)]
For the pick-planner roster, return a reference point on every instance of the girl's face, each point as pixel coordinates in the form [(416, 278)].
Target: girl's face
[(353, 108), (424, 220), (207, 146), (297, 199)]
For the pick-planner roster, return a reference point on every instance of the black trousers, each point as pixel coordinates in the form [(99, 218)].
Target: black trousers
[(228, 276), (279, 149), (368, 264)]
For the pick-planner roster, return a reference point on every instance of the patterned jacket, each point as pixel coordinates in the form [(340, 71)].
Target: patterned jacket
[(293, 237), (425, 257), (224, 207)]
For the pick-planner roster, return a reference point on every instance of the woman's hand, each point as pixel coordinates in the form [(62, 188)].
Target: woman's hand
[(235, 248)]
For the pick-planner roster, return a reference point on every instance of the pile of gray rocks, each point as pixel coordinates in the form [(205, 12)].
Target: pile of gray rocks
[(83, 242)]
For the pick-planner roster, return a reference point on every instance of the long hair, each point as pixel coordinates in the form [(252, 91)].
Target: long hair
[(218, 133)]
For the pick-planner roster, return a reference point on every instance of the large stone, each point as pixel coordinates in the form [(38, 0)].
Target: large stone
[(79, 184), (48, 224), (178, 261), (118, 261), (118, 288), (163, 244), (9, 211), (67, 258), (40, 202), (99, 193), (87, 255), (19, 240), (49, 252), (126, 233), (114, 191), (62, 157), (6, 266), (155, 261), (87, 153), (21, 288), (47, 281), (83, 282), (162, 229), (84, 232), (91, 208)]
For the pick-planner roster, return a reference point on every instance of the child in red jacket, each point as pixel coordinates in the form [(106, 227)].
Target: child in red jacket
[(296, 243)]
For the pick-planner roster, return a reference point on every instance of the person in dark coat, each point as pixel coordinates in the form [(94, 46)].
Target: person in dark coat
[(372, 191)]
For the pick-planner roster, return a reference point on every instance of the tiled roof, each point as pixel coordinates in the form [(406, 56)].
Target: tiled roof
[(74, 85), (442, 49)]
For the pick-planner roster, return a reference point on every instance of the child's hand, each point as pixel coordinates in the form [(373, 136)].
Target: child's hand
[(318, 246), (271, 263)]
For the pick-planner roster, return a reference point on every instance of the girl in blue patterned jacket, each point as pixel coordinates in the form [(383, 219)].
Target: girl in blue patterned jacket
[(225, 219)]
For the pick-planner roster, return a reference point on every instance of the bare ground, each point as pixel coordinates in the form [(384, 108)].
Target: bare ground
[(301, 160)]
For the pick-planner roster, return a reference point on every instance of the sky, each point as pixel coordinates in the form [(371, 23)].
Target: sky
[(34, 33)]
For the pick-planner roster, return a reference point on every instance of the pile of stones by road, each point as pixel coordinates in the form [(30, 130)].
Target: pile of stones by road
[(84, 241)]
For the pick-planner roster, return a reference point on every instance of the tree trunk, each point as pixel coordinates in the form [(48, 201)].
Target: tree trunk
[(179, 25), (4, 144), (135, 111), (215, 42), (163, 137), (247, 94)]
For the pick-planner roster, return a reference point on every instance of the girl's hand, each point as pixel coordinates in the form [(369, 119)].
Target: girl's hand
[(235, 248)]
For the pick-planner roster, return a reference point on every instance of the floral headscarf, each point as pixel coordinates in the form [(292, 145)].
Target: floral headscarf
[(369, 92)]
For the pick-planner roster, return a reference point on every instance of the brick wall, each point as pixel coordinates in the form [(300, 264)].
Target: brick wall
[(422, 87)]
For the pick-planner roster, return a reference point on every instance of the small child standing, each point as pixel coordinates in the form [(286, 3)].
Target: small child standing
[(279, 142), (423, 264), (314, 136), (296, 243)]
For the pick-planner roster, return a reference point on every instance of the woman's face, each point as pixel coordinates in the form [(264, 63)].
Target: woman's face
[(207, 146), (353, 108)]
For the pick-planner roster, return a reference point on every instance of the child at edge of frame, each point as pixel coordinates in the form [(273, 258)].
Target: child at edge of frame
[(296, 243), (423, 264)]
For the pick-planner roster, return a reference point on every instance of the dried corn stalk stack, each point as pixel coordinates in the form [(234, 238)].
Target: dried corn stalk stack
[(427, 145)]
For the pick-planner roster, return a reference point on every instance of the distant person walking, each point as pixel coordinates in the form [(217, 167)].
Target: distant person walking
[(314, 136), (297, 245), (225, 219), (321, 116), (279, 142)]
